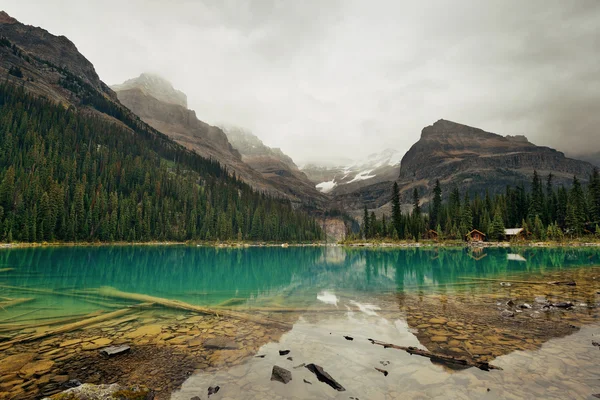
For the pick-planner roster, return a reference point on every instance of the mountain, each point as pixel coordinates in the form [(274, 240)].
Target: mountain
[(275, 166), (157, 103), (155, 86), (468, 158), (592, 158), (77, 165), (50, 65), (376, 168)]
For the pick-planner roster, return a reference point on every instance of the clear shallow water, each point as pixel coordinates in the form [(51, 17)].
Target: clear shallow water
[(209, 276), (337, 291)]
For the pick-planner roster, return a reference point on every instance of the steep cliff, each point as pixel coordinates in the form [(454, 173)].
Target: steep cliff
[(468, 158), (157, 103)]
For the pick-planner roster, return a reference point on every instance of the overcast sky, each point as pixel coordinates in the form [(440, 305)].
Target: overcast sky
[(328, 80)]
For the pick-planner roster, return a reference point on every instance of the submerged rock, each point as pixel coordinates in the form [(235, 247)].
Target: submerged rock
[(115, 350), (281, 374), (323, 376), (507, 313), (221, 343)]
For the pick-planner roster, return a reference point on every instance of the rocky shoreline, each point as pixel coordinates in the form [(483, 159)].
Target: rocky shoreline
[(479, 320)]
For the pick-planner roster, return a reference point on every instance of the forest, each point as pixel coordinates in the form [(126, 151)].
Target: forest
[(73, 176), (546, 212)]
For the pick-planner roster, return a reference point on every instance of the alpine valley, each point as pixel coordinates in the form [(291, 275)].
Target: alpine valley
[(459, 156)]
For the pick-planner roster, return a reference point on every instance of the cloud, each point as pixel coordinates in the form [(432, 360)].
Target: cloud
[(338, 79)]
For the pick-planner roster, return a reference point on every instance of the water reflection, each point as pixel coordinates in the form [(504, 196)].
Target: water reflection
[(447, 300)]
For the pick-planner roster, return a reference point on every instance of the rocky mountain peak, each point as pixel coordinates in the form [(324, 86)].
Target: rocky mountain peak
[(155, 86), (6, 19)]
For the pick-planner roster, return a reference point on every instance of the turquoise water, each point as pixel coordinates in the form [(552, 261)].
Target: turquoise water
[(208, 276), (333, 291), (259, 275)]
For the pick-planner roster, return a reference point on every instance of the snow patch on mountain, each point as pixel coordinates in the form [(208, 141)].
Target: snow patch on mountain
[(326, 187), (328, 178), (361, 176)]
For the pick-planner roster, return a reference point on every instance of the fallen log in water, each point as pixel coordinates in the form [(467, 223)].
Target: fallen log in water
[(11, 303), (68, 328), (6, 269), (47, 291), (180, 305), (440, 358), (46, 321), (507, 281)]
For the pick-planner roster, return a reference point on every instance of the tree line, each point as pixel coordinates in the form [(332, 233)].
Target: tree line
[(546, 211), (67, 175)]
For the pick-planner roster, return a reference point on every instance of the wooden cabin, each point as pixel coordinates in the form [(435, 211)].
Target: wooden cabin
[(432, 235), (475, 236)]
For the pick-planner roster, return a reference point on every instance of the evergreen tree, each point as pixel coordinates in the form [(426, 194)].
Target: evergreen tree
[(366, 224), (396, 212), (416, 202), (436, 208), (466, 220), (497, 227), (536, 205)]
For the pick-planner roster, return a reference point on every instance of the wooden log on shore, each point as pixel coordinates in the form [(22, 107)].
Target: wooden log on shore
[(180, 305), (11, 303), (440, 358)]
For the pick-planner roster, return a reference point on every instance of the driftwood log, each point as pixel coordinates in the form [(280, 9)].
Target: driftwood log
[(439, 358), (68, 328), (11, 303), (46, 321), (180, 305)]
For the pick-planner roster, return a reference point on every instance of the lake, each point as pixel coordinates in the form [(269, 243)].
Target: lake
[(220, 316)]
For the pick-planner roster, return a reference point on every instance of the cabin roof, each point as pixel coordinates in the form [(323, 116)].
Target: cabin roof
[(513, 231), (475, 231)]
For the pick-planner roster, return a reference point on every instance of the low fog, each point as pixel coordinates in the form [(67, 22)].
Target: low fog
[(332, 80)]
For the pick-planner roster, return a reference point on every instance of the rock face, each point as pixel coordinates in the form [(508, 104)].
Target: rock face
[(44, 60), (275, 166), (474, 159), (469, 158), (155, 86), (157, 103)]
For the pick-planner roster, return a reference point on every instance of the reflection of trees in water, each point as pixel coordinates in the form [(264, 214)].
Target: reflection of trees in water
[(249, 272), (425, 266)]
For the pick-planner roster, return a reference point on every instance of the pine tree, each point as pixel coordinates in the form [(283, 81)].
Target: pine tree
[(537, 197), (594, 190), (497, 227), (366, 223), (396, 212), (436, 206), (466, 220), (416, 202)]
